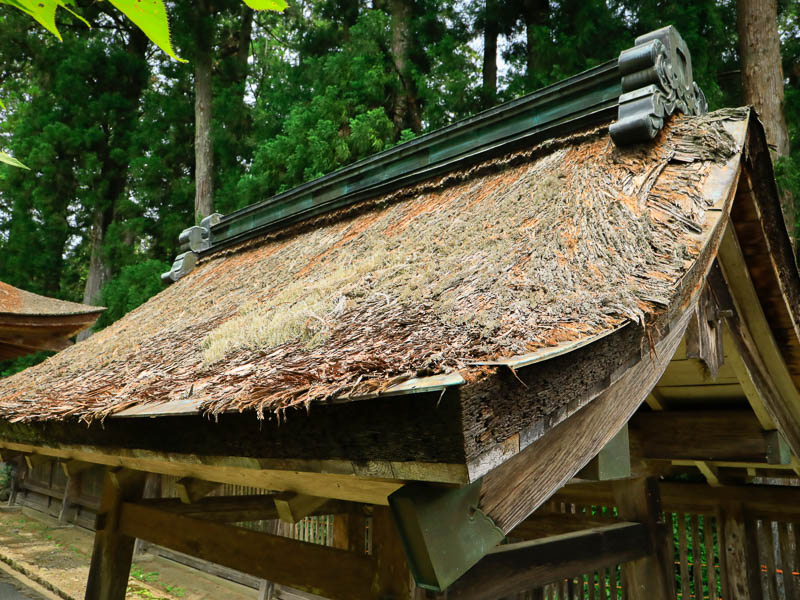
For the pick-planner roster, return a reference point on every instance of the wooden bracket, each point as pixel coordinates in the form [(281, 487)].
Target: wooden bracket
[(75, 467), (34, 460), (191, 490), (296, 507)]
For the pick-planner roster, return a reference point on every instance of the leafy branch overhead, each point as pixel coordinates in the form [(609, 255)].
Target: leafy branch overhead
[(148, 15)]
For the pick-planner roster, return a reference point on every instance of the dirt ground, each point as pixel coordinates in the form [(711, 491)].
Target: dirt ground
[(58, 558)]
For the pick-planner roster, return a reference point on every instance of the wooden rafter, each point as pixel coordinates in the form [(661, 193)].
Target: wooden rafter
[(522, 566)]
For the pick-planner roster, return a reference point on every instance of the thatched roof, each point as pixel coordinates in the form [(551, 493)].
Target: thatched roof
[(17, 302), (557, 243), (29, 322)]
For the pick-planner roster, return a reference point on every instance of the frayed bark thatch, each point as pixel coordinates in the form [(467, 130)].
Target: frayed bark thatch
[(544, 246)]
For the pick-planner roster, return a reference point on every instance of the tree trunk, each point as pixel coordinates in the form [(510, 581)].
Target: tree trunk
[(535, 13), (762, 77), (490, 33), (203, 146), (114, 176), (406, 112), (762, 71)]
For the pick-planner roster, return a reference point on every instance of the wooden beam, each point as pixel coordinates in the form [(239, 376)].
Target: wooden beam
[(514, 568), (710, 472), (238, 509), (329, 572), (543, 524), (113, 548), (781, 503), (191, 490), (518, 487), (756, 344), (296, 507), (742, 574), (721, 436), (236, 470), (650, 576)]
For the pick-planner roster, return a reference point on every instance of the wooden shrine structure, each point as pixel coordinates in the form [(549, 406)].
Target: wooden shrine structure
[(510, 353), (30, 323)]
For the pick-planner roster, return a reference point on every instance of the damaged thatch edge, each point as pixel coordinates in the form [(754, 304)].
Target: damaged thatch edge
[(523, 360), (645, 85), (189, 407)]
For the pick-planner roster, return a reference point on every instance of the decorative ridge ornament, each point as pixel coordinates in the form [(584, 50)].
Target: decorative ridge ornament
[(656, 77), (193, 240)]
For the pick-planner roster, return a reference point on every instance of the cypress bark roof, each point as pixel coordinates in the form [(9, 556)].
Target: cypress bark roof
[(17, 302), (29, 322), (570, 239)]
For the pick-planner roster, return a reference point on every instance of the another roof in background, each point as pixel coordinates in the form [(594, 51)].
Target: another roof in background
[(30, 323)]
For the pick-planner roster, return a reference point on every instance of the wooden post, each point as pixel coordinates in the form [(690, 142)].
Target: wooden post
[(152, 489), (651, 577), (113, 552), (19, 468), (739, 555), (394, 577), (350, 532), (71, 491)]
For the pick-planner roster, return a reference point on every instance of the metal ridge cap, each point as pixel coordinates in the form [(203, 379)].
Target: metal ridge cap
[(596, 115)]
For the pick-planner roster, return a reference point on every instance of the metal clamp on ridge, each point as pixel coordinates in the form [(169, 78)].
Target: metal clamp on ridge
[(194, 239), (657, 81)]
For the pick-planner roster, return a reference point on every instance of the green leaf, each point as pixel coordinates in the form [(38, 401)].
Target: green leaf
[(151, 17), (10, 160), (278, 5), (44, 11)]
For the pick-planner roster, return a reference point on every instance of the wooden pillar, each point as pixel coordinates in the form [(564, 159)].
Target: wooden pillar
[(651, 577), (350, 532), (113, 552), (152, 489), (71, 491), (739, 554), (19, 469), (394, 577)]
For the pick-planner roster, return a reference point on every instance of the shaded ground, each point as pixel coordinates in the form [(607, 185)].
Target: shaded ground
[(12, 590), (59, 558)]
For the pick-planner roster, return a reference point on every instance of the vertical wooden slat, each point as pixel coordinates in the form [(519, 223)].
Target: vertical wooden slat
[(669, 519), (768, 546), (613, 582), (708, 530), (787, 562), (697, 558), (686, 591), (603, 588), (592, 596)]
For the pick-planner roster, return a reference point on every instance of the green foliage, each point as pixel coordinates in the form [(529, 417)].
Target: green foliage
[(9, 367), (10, 160), (151, 17), (44, 11), (132, 287)]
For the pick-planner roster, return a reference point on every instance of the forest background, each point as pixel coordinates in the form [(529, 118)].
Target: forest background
[(127, 147)]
